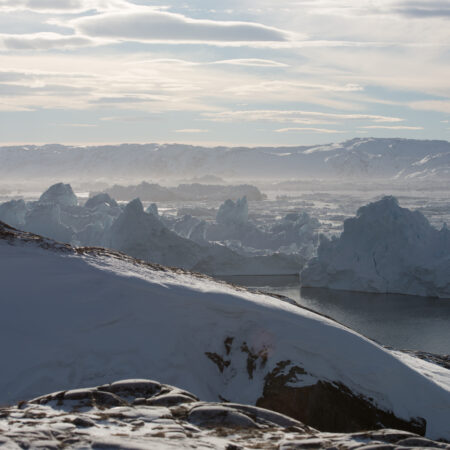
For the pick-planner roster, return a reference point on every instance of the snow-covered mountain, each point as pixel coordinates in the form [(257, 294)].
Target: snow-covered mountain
[(145, 414), (81, 317), (378, 158), (431, 166), (385, 248)]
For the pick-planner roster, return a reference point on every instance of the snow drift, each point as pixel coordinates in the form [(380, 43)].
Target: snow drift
[(385, 248), (83, 317)]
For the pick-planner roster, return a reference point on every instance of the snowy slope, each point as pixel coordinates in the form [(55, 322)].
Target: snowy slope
[(79, 318), (379, 158), (385, 248)]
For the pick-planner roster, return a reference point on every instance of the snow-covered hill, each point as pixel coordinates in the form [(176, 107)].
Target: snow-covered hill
[(378, 158), (145, 414), (385, 248), (76, 318)]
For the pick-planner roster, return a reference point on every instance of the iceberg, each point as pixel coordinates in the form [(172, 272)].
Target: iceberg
[(60, 194), (385, 248)]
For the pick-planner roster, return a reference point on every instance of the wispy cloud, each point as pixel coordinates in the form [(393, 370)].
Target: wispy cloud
[(42, 41), (76, 125), (308, 129), (251, 62), (395, 127), (191, 130), (292, 116), (62, 6)]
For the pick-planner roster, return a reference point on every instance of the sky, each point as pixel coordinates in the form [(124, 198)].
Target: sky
[(236, 72)]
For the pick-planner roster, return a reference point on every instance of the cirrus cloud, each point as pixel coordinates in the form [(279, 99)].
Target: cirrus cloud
[(308, 129), (289, 116)]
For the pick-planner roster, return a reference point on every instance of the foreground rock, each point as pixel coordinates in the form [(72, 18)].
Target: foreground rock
[(77, 317), (385, 248), (138, 414)]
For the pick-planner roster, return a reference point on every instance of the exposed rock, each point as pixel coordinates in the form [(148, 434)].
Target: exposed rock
[(327, 406), (66, 419)]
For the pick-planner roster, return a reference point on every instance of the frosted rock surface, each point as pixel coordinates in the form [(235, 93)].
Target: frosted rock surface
[(136, 414), (385, 248)]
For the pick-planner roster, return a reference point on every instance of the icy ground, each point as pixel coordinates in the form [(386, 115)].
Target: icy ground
[(75, 318), (143, 414)]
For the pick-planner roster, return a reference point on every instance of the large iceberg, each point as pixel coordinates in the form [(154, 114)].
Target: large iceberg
[(385, 248), (61, 194)]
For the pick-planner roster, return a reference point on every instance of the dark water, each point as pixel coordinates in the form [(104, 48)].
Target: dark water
[(400, 321)]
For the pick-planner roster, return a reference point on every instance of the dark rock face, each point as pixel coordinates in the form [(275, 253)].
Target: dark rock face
[(327, 406), (146, 414)]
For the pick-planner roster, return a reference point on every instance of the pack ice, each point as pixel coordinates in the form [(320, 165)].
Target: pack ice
[(130, 229)]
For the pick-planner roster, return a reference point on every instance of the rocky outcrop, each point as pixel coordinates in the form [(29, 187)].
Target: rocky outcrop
[(148, 414), (327, 406)]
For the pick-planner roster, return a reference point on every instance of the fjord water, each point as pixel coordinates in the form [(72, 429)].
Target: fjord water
[(403, 322)]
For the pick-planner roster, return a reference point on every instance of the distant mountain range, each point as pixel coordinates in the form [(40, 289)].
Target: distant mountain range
[(357, 158)]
